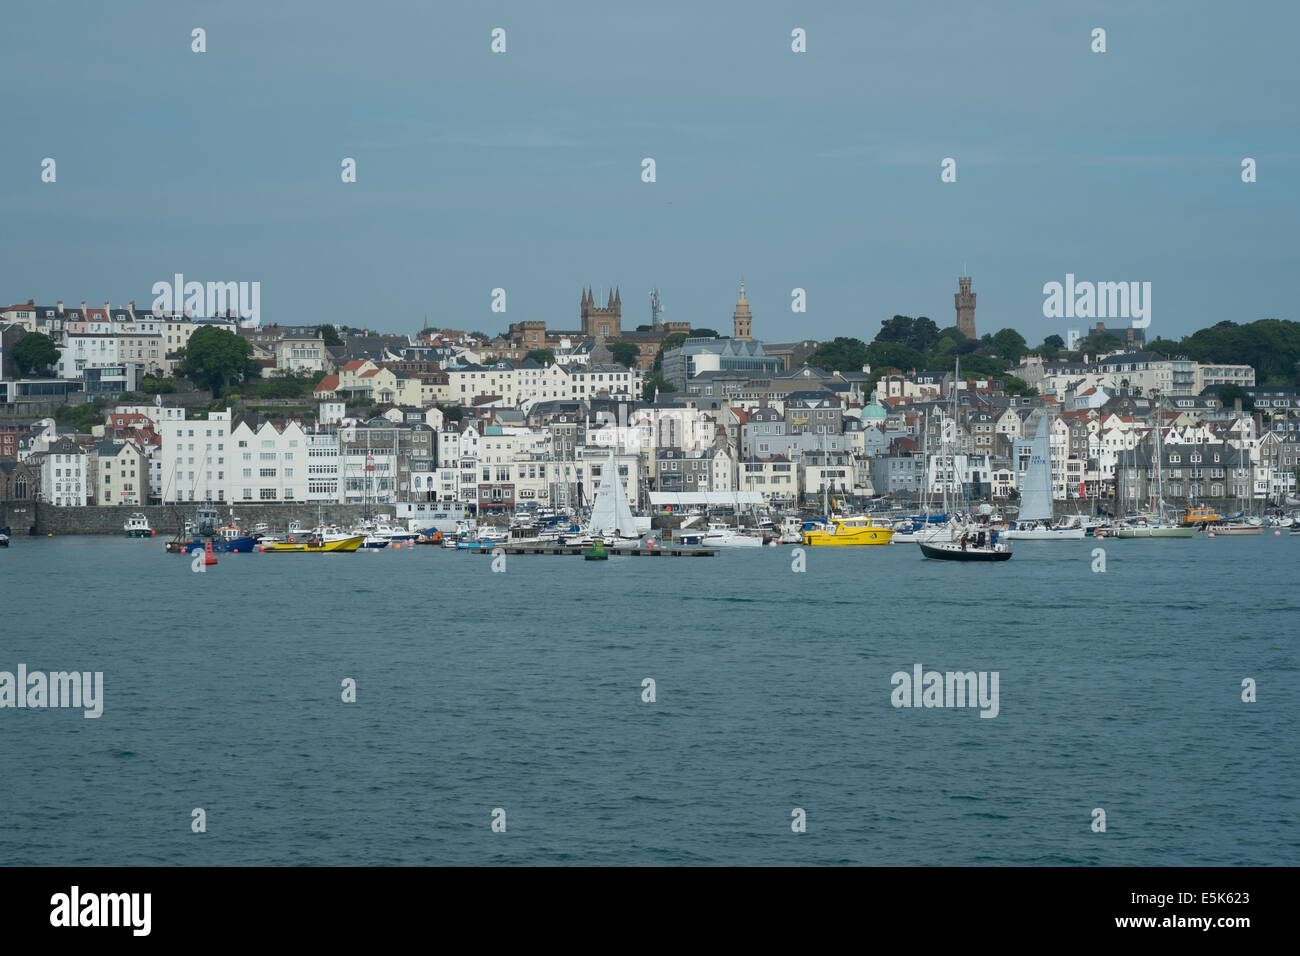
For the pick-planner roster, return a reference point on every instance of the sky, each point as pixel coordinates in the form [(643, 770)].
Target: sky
[(522, 170)]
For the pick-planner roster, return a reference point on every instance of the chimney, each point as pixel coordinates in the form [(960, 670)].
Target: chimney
[(83, 308), (1236, 406), (131, 304), (58, 307)]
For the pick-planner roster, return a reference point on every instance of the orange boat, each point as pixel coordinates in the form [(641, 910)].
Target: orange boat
[(1200, 514)]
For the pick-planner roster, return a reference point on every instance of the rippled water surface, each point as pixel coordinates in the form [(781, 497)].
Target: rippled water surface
[(522, 690)]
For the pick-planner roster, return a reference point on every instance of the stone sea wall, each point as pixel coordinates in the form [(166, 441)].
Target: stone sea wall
[(166, 520)]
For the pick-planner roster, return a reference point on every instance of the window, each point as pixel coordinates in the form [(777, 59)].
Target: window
[(267, 494), (248, 494)]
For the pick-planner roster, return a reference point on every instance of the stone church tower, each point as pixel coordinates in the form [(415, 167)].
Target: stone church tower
[(965, 299), (598, 323), (741, 320)]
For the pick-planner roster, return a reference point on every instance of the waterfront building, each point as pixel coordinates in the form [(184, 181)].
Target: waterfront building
[(197, 458), (63, 473), (117, 473)]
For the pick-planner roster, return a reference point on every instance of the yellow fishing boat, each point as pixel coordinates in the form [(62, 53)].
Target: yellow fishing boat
[(850, 531), (1201, 515), (314, 543)]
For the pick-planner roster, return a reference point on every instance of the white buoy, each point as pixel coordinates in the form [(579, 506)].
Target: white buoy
[(1210, 533)]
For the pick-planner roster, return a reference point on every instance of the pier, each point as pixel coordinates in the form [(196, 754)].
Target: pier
[(658, 551)]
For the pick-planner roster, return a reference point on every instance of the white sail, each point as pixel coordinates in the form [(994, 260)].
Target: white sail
[(611, 513), (1036, 496)]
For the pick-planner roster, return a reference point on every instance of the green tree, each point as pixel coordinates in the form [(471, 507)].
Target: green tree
[(704, 334), (157, 385), (885, 355), (1010, 345), (920, 334), (1016, 386), (1054, 342), (35, 352), (1228, 394), (669, 343), (215, 357), (655, 382), (541, 356), (329, 335), (481, 336), (983, 366), (450, 413), (1165, 347), (840, 354), (625, 353)]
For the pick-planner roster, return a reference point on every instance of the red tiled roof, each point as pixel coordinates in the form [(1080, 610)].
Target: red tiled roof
[(328, 384)]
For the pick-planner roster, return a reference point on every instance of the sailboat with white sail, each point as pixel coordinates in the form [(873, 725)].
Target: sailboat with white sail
[(611, 515), (1034, 522)]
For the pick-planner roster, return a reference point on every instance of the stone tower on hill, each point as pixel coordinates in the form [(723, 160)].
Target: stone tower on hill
[(598, 323), (965, 299), (741, 320)]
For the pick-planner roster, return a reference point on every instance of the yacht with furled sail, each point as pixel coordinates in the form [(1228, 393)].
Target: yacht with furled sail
[(1034, 521)]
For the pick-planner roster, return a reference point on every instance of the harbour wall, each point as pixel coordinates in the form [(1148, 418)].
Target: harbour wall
[(166, 520)]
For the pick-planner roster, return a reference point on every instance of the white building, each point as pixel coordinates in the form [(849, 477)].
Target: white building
[(322, 466), (271, 465), (197, 459), (63, 474), (80, 352)]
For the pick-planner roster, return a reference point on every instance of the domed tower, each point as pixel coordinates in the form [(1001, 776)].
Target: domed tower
[(741, 320)]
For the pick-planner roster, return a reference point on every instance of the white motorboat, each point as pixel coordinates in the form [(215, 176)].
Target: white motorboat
[(723, 536), (1044, 531)]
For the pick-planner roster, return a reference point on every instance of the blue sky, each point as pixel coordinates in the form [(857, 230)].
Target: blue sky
[(523, 170)]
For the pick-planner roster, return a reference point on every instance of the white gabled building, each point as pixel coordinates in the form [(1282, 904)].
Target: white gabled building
[(273, 464)]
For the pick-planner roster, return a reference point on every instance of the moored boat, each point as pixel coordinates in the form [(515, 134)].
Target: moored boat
[(137, 526), (1156, 529), (315, 544), (954, 551), (1200, 515), (859, 530)]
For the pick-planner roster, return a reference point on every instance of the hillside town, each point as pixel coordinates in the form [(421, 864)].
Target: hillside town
[(526, 417)]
